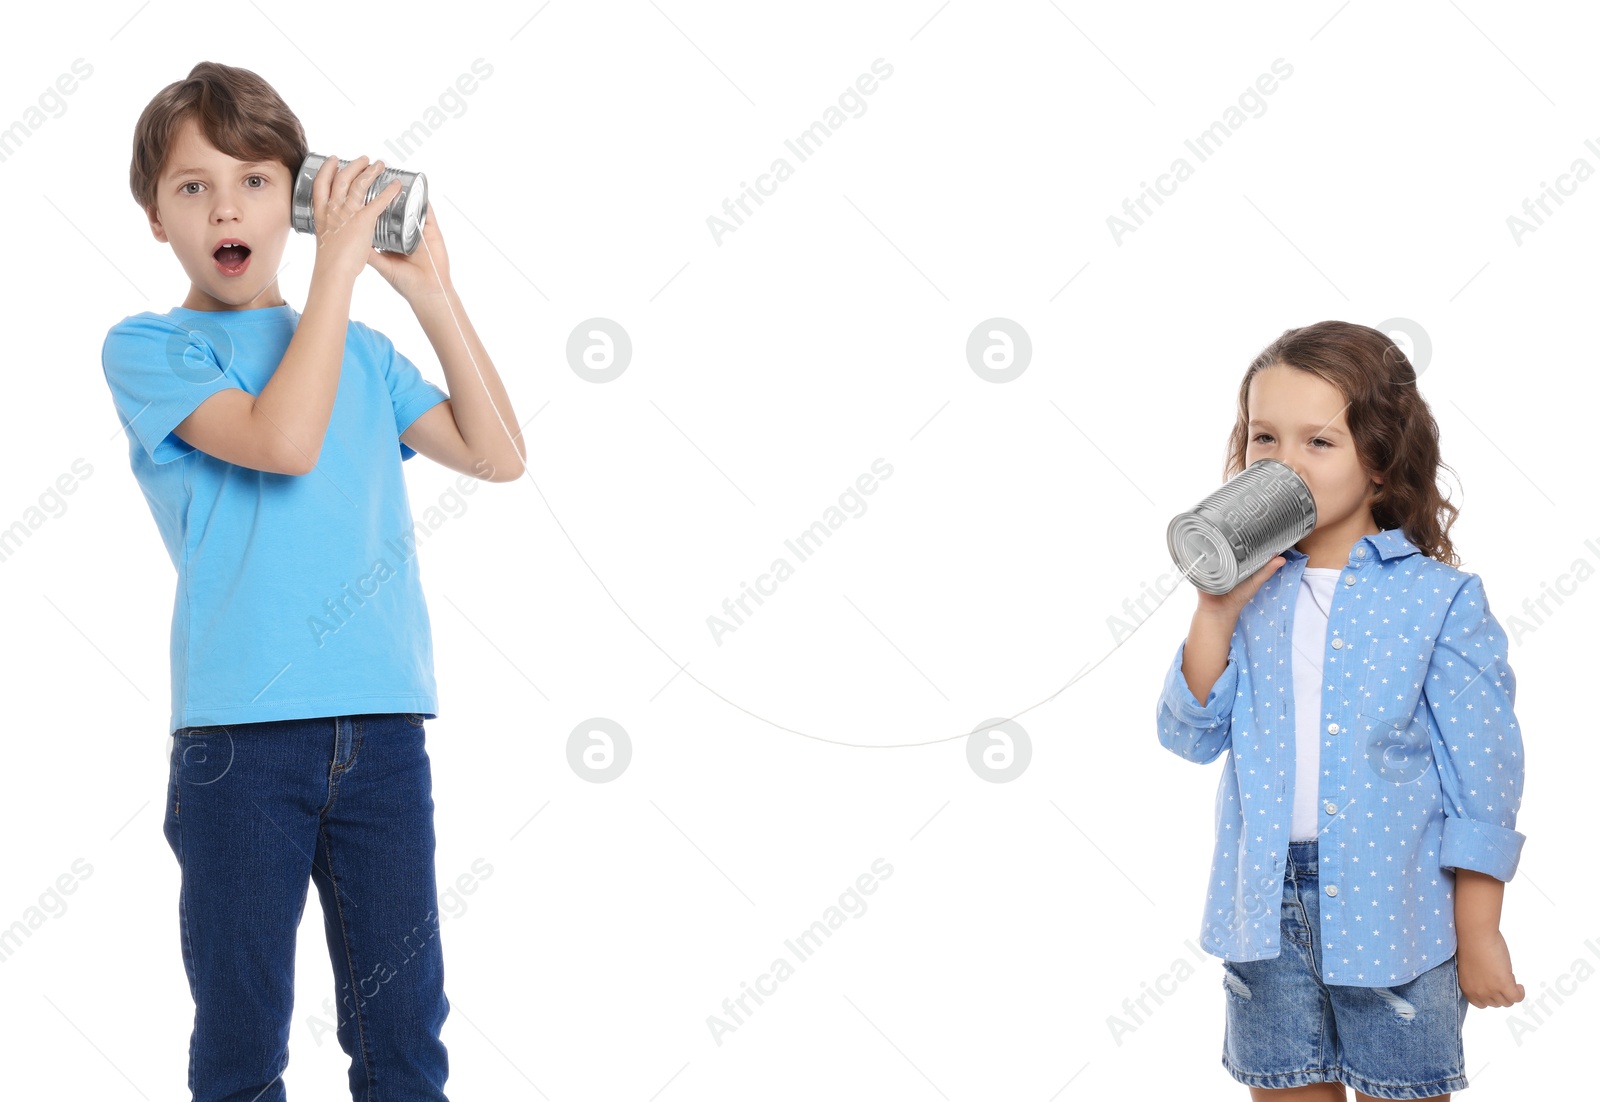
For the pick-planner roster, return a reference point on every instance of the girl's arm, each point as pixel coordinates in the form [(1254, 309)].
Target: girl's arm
[(1483, 961), (1208, 661), (1477, 747), (1194, 718), (1476, 743)]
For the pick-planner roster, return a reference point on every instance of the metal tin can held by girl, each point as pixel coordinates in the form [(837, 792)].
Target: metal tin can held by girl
[(1234, 530), (399, 227)]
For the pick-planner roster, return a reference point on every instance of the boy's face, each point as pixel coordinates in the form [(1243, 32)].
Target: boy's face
[(205, 197)]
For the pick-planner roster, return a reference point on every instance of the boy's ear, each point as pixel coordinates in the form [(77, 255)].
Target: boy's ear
[(156, 228)]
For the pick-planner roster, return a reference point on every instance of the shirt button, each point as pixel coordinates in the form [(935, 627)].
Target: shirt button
[(1331, 807), (1332, 889), (1337, 643), (1333, 728), (1361, 552), (1349, 579)]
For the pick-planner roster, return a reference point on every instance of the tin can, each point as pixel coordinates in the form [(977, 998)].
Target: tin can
[(1258, 513), (399, 227)]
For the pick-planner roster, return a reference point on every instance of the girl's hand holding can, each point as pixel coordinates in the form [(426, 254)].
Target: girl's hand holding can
[(1227, 606), (1211, 631)]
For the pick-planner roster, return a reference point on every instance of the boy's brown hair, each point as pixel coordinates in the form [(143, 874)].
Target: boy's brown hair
[(239, 113), (1394, 430)]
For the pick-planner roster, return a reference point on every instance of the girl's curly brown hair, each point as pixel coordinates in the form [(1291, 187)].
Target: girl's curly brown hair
[(1394, 430)]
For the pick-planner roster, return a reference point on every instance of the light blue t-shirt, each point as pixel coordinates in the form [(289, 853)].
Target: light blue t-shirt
[(298, 595)]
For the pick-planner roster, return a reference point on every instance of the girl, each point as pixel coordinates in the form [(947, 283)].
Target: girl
[(1366, 823)]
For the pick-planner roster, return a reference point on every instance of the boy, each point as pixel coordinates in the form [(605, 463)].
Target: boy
[(268, 445)]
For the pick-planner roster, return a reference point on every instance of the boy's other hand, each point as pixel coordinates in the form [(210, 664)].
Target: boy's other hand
[(425, 273), (344, 220)]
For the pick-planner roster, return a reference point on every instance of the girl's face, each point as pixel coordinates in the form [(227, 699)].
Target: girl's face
[(1298, 419)]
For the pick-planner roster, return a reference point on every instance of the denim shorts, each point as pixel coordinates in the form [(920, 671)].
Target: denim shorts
[(1286, 1028)]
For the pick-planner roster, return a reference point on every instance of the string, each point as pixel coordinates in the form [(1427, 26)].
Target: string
[(1184, 573)]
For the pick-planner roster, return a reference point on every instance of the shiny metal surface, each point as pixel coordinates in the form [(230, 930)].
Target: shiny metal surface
[(1259, 512), (398, 229)]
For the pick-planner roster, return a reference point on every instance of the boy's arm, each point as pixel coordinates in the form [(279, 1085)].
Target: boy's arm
[(465, 433), (281, 429)]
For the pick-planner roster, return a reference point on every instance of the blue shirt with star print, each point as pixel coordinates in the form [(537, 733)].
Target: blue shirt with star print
[(1420, 771)]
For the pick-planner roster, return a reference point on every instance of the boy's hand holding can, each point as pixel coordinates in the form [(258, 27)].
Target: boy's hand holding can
[(421, 274), (343, 217)]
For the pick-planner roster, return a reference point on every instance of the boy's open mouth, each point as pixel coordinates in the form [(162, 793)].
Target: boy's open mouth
[(231, 255)]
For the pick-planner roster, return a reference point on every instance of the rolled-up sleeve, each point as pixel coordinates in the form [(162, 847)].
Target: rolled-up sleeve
[(1477, 744), (1194, 731)]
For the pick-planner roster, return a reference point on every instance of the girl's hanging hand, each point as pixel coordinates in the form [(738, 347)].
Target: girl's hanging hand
[(1483, 969)]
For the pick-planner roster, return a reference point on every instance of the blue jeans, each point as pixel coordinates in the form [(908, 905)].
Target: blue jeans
[(255, 812), (1286, 1028)]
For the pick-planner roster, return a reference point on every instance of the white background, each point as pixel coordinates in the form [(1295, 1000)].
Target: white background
[(769, 372)]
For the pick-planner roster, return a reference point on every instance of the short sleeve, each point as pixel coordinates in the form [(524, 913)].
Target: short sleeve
[(159, 371), (409, 393)]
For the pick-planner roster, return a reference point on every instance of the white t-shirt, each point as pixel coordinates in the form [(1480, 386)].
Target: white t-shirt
[(1310, 634)]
